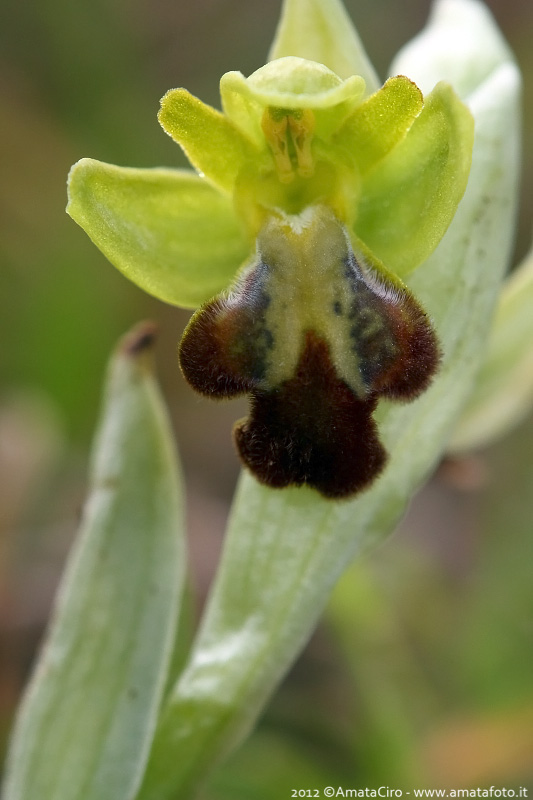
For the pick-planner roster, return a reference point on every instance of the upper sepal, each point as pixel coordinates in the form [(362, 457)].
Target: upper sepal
[(322, 31)]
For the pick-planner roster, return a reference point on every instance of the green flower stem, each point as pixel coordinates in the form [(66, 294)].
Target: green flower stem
[(285, 550), (87, 721)]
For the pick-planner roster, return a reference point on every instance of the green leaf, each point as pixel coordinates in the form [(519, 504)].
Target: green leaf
[(210, 141), (285, 550), (168, 231), (503, 393), (378, 124), (409, 199), (86, 723), (321, 30)]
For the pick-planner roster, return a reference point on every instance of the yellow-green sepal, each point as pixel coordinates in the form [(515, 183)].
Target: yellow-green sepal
[(410, 198), (321, 30), (168, 231), (213, 145)]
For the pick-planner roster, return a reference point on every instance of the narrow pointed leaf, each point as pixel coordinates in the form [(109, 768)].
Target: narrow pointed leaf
[(422, 179), (168, 231), (503, 393), (322, 31), (86, 723), (213, 145), (285, 550)]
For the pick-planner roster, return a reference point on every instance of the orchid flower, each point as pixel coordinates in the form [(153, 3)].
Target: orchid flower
[(343, 246)]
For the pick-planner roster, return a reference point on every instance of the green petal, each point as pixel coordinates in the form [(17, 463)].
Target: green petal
[(168, 231), (503, 393), (410, 198), (378, 124), (213, 145), (321, 30), (87, 721), (289, 83)]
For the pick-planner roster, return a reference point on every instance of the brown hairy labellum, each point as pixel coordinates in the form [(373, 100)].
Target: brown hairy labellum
[(315, 336)]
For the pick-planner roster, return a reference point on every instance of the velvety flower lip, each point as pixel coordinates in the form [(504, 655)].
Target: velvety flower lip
[(315, 335)]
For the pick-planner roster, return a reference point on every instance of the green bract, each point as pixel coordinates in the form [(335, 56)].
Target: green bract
[(393, 167), (86, 724)]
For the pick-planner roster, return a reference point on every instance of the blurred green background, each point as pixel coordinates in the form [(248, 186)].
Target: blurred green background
[(421, 674)]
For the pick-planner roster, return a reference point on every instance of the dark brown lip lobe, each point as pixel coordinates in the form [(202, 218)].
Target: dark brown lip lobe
[(312, 428)]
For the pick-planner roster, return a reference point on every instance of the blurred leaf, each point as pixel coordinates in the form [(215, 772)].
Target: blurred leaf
[(168, 231), (503, 394), (85, 726)]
